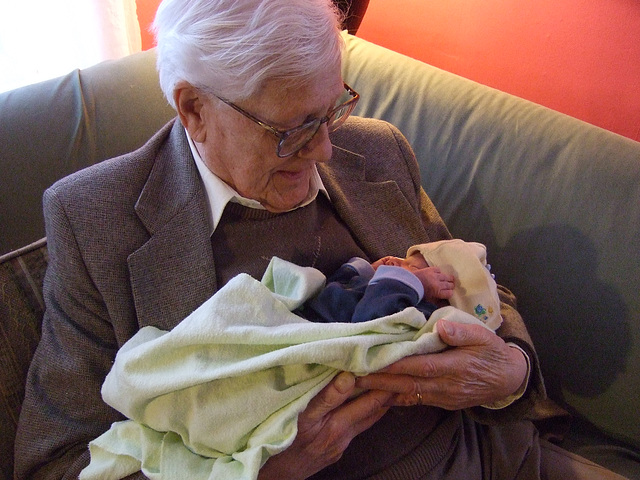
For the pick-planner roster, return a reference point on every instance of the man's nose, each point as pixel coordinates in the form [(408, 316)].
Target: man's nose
[(319, 147)]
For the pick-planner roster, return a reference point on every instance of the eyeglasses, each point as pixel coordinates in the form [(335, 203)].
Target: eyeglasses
[(295, 139)]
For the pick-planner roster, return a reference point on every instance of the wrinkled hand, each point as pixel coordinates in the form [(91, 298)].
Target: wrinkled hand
[(481, 370), (326, 428)]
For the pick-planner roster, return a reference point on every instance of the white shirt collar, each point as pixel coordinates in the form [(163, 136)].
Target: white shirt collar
[(219, 193)]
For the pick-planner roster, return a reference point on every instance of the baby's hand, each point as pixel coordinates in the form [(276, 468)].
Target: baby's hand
[(437, 285)]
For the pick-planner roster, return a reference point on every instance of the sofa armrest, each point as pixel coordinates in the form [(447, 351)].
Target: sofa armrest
[(21, 309)]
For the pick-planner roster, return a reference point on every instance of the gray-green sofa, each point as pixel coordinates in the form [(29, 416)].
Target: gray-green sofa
[(556, 201)]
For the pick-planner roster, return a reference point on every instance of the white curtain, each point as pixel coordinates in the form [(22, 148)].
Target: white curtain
[(41, 39)]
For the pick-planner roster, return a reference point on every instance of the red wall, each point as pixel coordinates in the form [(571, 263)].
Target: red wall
[(146, 12), (580, 57)]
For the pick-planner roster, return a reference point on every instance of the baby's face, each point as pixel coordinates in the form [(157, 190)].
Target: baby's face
[(415, 262), (412, 263)]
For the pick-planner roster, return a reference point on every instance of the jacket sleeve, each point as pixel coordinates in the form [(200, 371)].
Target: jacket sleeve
[(63, 409)]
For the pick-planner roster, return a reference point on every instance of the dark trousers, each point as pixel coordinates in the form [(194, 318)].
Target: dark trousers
[(512, 451)]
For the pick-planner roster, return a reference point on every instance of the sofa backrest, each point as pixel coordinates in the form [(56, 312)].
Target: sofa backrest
[(53, 128)]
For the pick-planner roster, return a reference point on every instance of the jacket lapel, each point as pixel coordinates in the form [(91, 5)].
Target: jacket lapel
[(377, 213), (173, 273)]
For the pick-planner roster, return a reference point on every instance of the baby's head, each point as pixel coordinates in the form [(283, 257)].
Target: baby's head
[(413, 261)]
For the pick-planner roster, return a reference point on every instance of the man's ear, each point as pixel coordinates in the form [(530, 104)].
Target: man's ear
[(190, 107)]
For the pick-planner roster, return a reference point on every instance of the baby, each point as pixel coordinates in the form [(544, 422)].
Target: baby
[(437, 285), (430, 276)]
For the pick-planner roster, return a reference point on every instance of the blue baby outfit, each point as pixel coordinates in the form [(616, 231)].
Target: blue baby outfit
[(358, 293)]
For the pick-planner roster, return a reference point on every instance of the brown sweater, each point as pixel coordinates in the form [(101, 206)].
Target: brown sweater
[(311, 236)]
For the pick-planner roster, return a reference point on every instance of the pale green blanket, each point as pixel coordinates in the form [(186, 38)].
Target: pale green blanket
[(221, 392)]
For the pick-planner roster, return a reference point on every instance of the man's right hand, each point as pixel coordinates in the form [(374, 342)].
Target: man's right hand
[(326, 428)]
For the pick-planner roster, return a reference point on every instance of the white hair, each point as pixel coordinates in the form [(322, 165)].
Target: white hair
[(230, 48)]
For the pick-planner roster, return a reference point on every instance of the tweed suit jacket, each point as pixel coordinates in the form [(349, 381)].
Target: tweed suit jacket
[(129, 246)]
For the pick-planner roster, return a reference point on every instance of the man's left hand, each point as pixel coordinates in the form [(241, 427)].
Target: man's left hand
[(482, 369)]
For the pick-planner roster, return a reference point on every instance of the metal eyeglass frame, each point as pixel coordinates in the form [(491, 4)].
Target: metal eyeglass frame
[(310, 126)]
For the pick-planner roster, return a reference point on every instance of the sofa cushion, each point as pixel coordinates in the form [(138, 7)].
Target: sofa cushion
[(21, 310)]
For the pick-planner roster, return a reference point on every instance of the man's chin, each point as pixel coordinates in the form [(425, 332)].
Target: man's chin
[(286, 204)]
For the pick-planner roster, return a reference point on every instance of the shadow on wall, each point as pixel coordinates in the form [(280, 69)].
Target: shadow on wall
[(588, 327)]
